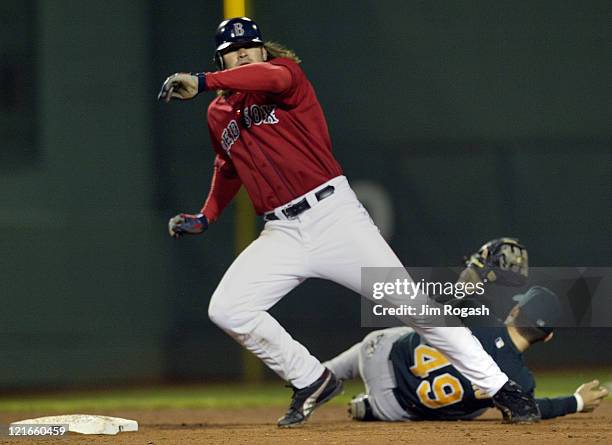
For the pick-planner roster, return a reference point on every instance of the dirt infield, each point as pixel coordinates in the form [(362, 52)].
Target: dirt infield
[(329, 425)]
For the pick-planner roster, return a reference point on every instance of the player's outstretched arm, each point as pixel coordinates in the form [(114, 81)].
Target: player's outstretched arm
[(586, 398), (256, 77), (263, 77)]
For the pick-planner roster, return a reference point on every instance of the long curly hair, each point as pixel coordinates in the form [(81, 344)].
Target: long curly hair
[(276, 49)]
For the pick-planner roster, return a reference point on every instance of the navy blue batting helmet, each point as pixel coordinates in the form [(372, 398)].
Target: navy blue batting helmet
[(540, 308), (237, 31)]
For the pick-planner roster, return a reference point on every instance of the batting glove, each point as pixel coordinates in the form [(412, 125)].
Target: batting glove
[(182, 86), (183, 223)]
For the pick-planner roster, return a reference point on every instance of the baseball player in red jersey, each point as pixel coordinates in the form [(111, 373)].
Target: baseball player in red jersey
[(270, 135)]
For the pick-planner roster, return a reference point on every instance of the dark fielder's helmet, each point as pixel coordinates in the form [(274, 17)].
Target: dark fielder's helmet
[(235, 32), (539, 308)]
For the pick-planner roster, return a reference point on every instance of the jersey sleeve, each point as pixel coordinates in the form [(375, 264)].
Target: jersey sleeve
[(262, 77), (559, 406), (298, 90), (224, 185)]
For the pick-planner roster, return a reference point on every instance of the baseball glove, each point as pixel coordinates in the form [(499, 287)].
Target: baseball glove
[(501, 261)]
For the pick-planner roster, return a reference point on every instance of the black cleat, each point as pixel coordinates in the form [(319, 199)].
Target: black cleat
[(306, 400), (516, 405)]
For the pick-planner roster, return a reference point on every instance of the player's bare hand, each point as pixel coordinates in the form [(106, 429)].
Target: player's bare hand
[(186, 224), (592, 394), (181, 86)]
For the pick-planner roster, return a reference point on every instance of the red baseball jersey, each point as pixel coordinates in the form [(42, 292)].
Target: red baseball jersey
[(269, 135)]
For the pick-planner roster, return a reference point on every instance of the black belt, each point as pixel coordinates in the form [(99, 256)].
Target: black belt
[(301, 206)]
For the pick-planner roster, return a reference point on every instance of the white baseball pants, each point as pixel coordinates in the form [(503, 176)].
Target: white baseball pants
[(332, 240)]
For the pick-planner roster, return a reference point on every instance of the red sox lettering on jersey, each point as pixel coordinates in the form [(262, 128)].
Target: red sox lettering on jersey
[(230, 134), (259, 114), (252, 115)]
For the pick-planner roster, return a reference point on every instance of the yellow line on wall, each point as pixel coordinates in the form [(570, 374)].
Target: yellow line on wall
[(234, 8)]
